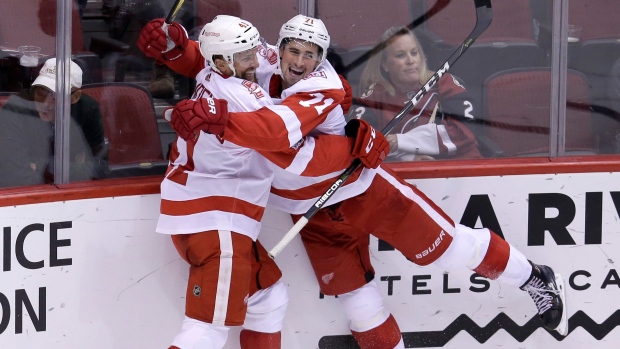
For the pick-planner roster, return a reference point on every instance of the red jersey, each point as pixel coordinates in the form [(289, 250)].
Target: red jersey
[(446, 136)]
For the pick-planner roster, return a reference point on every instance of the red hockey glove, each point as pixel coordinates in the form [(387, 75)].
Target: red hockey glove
[(153, 41), (206, 114), (370, 145), (348, 97)]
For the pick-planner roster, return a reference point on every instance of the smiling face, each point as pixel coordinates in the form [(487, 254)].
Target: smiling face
[(245, 64), (297, 59), (402, 61)]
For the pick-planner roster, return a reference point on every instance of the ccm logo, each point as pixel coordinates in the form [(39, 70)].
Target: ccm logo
[(211, 105), (432, 247), (373, 134)]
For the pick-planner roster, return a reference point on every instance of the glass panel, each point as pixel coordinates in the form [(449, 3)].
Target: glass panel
[(138, 86), (594, 53), (28, 39), (461, 117), (506, 76)]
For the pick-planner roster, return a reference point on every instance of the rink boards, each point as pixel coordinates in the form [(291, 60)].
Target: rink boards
[(93, 273)]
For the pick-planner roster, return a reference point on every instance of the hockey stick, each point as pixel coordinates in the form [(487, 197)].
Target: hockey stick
[(435, 9), (171, 15), (484, 15)]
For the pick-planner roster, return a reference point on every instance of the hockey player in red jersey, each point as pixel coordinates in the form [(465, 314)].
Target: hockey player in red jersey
[(410, 222), (213, 198)]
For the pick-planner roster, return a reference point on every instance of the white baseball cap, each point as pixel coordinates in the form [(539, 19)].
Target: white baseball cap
[(47, 75)]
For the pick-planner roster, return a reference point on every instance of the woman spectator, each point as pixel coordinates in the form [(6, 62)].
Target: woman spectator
[(435, 128)]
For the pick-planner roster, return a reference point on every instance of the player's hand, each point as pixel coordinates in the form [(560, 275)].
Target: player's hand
[(153, 40), (348, 97), (189, 117), (393, 139), (370, 145)]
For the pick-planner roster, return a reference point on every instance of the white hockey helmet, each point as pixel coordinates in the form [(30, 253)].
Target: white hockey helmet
[(225, 36), (307, 29)]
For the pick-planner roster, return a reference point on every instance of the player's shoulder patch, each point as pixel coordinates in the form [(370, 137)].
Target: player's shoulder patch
[(269, 54), (316, 74), (368, 91), (254, 88)]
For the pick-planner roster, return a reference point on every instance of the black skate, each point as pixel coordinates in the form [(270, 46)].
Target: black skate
[(547, 290)]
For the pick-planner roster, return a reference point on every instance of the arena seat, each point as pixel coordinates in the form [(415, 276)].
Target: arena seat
[(594, 55), (130, 126), (518, 112)]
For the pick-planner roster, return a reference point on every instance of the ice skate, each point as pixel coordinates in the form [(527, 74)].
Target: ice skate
[(547, 290)]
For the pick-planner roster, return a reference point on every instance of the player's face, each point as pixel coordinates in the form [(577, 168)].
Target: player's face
[(245, 64), (402, 62), (298, 59)]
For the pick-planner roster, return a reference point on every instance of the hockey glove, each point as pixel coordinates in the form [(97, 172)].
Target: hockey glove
[(153, 40), (189, 117), (348, 96), (370, 145)]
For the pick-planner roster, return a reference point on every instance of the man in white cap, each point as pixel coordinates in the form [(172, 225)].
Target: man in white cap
[(27, 132)]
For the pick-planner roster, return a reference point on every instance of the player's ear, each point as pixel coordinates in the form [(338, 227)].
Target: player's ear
[(221, 64)]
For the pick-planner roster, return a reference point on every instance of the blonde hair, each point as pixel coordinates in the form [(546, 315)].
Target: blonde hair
[(373, 73)]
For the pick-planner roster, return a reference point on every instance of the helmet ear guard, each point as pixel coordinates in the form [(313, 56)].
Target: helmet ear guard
[(308, 29), (224, 36)]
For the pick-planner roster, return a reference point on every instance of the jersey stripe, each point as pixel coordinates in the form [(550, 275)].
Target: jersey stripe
[(224, 278), (292, 123), (303, 158), (211, 203)]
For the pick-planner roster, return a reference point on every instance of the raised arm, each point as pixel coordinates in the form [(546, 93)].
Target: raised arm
[(184, 58), (276, 128), (324, 154)]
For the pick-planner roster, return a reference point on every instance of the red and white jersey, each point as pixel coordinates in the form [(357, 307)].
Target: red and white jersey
[(217, 185), (310, 107), (436, 126), (214, 184)]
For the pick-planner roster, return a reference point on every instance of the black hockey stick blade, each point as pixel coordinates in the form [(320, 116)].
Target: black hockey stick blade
[(173, 11), (484, 16)]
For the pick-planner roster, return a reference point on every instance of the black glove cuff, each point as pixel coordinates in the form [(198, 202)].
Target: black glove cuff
[(351, 128)]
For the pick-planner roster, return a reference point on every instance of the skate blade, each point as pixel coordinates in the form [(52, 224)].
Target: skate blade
[(563, 326)]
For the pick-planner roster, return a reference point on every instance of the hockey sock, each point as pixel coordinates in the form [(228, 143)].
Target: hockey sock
[(385, 336)]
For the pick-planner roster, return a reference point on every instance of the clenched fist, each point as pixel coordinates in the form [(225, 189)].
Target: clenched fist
[(189, 117), (370, 145), (154, 42)]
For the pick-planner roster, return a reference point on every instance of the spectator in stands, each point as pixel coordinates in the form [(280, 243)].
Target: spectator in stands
[(436, 127), (27, 123)]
